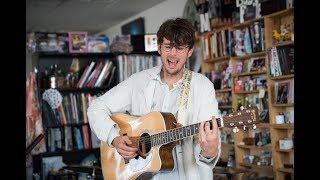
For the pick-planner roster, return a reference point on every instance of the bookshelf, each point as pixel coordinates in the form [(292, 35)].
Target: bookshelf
[(279, 160), (68, 133)]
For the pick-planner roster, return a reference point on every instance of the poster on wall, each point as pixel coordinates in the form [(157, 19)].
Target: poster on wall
[(78, 42)]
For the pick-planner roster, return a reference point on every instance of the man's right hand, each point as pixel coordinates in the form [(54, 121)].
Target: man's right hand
[(120, 143)]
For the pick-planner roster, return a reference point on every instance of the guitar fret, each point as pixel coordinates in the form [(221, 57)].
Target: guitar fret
[(172, 134), (180, 133)]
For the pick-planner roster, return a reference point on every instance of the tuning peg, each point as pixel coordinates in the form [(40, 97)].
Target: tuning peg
[(235, 129), (241, 108), (254, 126), (244, 127)]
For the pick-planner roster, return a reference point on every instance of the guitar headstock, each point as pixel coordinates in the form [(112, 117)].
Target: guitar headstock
[(244, 118)]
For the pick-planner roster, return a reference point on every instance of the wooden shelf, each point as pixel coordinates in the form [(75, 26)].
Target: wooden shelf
[(254, 147), (263, 125), (80, 90), (223, 90), (255, 166), (92, 54), (247, 56), (217, 59), (68, 124), (246, 23), (285, 170), (278, 131), (282, 126), (280, 13), (227, 145), (225, 107), (76, 151), (283, 105), (286, 43), (250, 73), (284, 150), (282, 77), (249, 92)]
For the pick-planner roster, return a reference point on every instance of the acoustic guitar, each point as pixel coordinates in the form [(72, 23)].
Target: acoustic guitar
[(155, 135)]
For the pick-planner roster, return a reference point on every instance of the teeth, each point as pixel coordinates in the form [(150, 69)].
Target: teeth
[(173, 61)]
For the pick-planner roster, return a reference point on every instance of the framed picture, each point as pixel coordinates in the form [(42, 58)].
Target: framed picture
[(78, 42)]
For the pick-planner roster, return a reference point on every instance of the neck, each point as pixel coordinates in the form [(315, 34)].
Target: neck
[(170, 79), (178, 133)]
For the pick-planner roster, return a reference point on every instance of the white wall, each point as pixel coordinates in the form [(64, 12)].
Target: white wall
[(153, 17)]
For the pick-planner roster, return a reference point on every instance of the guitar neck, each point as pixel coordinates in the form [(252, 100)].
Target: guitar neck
[(177, 134)]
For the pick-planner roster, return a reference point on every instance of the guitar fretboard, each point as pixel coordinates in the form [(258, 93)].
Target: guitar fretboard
[(177, 133)]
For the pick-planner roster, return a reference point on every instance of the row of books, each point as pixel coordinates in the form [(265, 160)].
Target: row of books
[(281, 60), (97, 74), (67, 138), (250, 65), (247, 83), (130, 64), (221, 77), (73, 110), (239, 42), (284, 91)]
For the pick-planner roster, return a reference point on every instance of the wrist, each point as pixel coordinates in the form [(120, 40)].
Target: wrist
[(209, 154)]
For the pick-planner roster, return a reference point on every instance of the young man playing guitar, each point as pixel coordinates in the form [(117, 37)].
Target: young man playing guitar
[(172, 88)]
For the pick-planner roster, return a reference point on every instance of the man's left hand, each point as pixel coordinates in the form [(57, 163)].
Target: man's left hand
[(208, 138)]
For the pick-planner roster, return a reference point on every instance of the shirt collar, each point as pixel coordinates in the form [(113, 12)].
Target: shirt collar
[(158, 78)]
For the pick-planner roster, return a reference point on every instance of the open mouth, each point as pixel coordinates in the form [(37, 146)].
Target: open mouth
[(172, 63)]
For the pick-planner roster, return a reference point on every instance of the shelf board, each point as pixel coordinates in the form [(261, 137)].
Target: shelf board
[(249, 92), (247, 56), (250, 73), (282, 126), (246, 23), (284, 150), (285, 170), (223, 90), (286, 43), (282, 77), (222, 58), (92, 54), (255, 166), (76, 151), (227, 145), (226, 107), (280, 13), (78, 90), (254, 147), (68, 124), (263, 125), (283, 105)]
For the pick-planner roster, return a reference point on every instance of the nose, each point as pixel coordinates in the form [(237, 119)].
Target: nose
[(173, 50)]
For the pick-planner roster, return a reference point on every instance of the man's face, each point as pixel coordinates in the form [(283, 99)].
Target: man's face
[(173, 58)]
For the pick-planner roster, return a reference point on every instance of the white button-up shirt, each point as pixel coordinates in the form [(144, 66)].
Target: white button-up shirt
[(145, 92)]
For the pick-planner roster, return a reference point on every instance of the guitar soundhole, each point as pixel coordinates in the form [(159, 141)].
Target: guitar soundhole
[(144, 143)]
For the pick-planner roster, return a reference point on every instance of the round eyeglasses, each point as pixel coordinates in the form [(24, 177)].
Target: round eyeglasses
[(168, 48)]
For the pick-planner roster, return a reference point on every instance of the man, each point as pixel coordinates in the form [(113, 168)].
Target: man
[(163, 88)]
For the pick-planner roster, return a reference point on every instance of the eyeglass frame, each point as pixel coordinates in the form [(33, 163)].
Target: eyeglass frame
[(179, 49)]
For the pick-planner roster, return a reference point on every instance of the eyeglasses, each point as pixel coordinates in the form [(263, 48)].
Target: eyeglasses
[(168, 48)]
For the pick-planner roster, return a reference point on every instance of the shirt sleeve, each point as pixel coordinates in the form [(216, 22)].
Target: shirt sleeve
[(208, 108), (117, 99)]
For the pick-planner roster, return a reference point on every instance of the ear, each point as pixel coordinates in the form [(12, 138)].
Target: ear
[(190, 52)]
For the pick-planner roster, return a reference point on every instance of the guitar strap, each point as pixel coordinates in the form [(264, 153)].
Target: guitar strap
[(184, 94), (182, 116)]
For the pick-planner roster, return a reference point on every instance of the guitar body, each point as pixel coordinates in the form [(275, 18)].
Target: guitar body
[(152, 159)]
